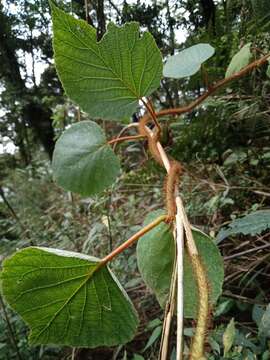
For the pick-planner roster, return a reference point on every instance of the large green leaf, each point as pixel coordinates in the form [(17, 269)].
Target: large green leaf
[(66, 300), (251, 224), (82, 160), (105, 78), (155, 254), (240, 60), (188, 61)]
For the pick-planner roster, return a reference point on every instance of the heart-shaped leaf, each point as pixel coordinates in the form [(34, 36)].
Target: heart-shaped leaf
[(188, 61), (155, 255), (240, 60), (105, 78), (66, 299), (82, 160)]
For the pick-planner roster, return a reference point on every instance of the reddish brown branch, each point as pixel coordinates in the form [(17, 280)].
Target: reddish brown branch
[(132, 240), (213, 88), (153, 115), (125, 138)]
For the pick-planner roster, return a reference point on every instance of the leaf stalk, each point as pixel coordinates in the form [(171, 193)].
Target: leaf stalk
[(132, 239)]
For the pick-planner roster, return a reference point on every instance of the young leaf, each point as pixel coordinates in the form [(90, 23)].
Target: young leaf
[(228, 337), (82, 160), (188, 61), (240, 60), (251, 224), (66, 299), (155, 255), (105, 78)]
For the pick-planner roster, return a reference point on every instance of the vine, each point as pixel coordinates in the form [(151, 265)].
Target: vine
[(74, 299)]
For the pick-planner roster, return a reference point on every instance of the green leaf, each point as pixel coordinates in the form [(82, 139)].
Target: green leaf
[(251, 224), (264, 326), (66, 299), (155, 255), (257, 313), (105, 78), (228, 337), (82, 160), (213, 263), (188, 61), (153, 338), (268, 69), (239, 61), (137, 357)]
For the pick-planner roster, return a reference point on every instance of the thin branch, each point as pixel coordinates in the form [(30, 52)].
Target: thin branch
[(12, 211), (153, 115), (125, 138), (212, 89), (233, 256), (169, 312), (115, 8), (10, 329), (132, 239)]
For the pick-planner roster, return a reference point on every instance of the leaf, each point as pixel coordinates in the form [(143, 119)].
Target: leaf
[(251, 224), (268, 69), (228, 337), (257, 313), (239, 61), (137, 357), (188, 61), (82, 160), (155, 255), (153, 338), (105, 78), (67, 300), (213, 263), (223, 307), (264, 326)]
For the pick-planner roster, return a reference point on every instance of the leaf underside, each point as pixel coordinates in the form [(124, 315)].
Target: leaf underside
[(239, 60), (82, 160), (155, 255), (105, 78), (66, 301), (187, 62)]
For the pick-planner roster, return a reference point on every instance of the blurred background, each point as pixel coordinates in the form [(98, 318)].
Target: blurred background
[(224, 146)]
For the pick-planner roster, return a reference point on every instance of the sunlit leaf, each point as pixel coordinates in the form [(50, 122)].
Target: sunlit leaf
[(105, 78), (264, 326), (228, 337), (188, 61), (82, 161), (66, 299), (240, 60)]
